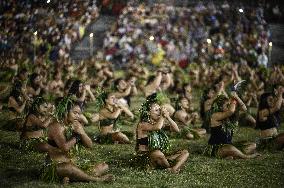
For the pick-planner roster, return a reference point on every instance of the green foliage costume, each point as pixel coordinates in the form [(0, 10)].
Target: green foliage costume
[(157, 140), (222, 134), (31, 143), (77, 153)]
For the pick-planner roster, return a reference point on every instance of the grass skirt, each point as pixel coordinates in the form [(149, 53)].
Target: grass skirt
[(49, 172)]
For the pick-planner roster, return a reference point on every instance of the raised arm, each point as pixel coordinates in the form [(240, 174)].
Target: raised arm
[(239, 100), (125, 93), (83, 119), (153, 85), (156, 83), (218, 116), (173, 124), (263, 114), (88, 90), (168, 81), (83, 96), (126, 110), (134, 90)]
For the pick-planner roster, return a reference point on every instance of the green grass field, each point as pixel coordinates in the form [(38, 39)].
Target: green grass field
[(22, 169)]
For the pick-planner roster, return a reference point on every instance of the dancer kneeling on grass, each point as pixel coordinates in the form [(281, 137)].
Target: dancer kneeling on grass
[(109, 111), (223, 123), (268, 119), (34, 131), (60, 162), (152, 141), (185, 118), (16, 105)]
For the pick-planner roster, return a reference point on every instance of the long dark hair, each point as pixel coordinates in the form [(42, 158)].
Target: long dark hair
[(263, 104), (33, 109), (39, 100), (101, 97), (22, 71), (146, 106), (116, 83), (16, 90), (74, 88), (204, 98), (178, 102), (68, 84), (150, 79), (32, 79), (62, 106), (183, 88)]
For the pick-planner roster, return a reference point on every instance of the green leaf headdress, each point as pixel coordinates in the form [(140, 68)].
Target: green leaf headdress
[(230, 124), (217, 105), (101, 96), (62, 107), (36, 103), (159, 98)]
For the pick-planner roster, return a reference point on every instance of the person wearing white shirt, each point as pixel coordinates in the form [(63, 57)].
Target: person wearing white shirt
[(262, 59)]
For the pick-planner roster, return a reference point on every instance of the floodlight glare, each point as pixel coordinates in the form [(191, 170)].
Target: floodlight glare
[(208, 41)]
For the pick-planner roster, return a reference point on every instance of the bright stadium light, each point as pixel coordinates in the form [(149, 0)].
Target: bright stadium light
[(241, 10), (151, 38), (270, 44), (208, 41), (48, 1)]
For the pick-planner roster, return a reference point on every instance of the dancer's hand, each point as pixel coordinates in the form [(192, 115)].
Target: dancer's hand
[(234, 94), (165, 112), (120, 104), (87, 87), (78, 128), (132, 82), (280, 90)]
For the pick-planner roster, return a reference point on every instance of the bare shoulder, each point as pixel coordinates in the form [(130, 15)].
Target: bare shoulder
[(179, 113)]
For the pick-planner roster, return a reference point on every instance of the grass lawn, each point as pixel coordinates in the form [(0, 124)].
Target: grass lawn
[(22, 169)]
